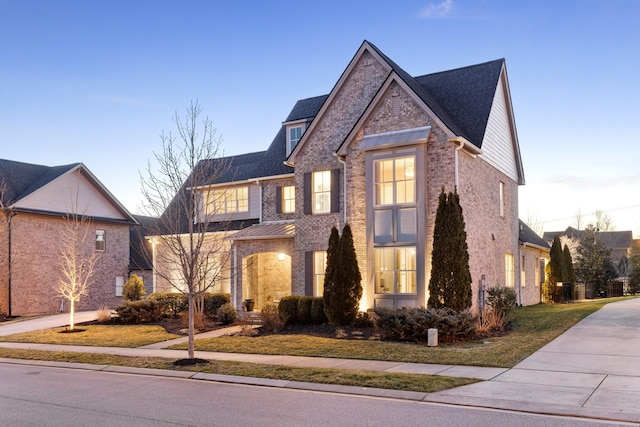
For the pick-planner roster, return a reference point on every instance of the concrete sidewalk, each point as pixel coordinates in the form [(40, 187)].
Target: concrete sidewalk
[(592, 370)]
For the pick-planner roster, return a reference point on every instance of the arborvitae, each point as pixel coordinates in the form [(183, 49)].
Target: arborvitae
[(346, 290), (329, 273), (567, 268), (556, 270), (450, 283)]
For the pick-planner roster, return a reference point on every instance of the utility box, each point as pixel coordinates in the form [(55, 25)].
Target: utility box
[(432, 337)]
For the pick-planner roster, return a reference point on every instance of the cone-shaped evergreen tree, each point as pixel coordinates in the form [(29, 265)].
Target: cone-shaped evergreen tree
[(450, 283), (569, 271), (346, 290), (329, 273), (556, 273)]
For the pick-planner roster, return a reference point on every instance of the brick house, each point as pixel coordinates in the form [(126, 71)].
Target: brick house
[(375, 153), (35, 200)]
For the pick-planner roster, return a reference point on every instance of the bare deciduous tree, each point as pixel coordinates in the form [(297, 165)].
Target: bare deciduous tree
[(191, 251), (603, 221), (578, 220), (78, 259), (533, 221)]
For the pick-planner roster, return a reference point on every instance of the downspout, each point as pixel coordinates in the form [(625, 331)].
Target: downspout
[(456, 167), (344, 187), (10, 215), (234, 294)]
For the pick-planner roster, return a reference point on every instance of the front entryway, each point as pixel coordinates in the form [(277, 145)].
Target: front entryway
[(266, 278)]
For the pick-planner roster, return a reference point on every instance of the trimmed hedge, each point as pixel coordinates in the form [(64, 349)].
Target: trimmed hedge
[(227, 314), (412, 324), (212, 302), (140, 311), (302, 309), (171, 303)]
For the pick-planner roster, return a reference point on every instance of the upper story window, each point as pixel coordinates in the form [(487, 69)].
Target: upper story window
[(101, 242), (501, 190), (288, 199), (395, 181), (321, 197), (294, 133), (227, 200)]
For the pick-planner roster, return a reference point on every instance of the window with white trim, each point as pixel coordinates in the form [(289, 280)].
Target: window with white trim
[(288, 199), (294, 133), (227, 200), (395, 270), (101, 241), (319, 267), (501, 199), (119, 285), (321, 196), (395, 224)]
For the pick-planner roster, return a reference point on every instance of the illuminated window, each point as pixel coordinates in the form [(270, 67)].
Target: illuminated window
[(319, 267), (321, 196), (509, 276), (288, 199), (226, 201), (395, 270), (101, 242), (395, 181)]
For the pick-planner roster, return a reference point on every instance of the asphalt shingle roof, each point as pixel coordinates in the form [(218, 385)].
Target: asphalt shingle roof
[(527, 235), (21, 179)]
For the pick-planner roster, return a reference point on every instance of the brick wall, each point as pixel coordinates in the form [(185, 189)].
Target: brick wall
[(36, 265)]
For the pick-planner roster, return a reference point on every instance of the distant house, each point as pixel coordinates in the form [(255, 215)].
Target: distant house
[(619, 242), (35, 201), (375, 153)]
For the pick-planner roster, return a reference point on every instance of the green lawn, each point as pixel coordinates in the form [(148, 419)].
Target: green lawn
[(533, 327), (97, 335)]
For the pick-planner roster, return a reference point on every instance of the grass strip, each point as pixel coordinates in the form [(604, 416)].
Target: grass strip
[(371, 379)]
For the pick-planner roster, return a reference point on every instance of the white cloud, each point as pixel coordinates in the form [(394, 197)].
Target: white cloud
[(437, 10)]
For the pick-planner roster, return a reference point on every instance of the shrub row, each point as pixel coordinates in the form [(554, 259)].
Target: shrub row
[(174, 303), (412, 324), (140, 311), (302, 309)]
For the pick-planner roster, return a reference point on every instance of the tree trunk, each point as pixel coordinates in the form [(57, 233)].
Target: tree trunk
[(72, 311), (191, 327)]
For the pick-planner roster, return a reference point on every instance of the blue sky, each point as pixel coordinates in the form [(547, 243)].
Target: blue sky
[(97, 81)]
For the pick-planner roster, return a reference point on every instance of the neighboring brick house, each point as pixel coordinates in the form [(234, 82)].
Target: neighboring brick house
[(534, 256), (376, 153), (35, 200)]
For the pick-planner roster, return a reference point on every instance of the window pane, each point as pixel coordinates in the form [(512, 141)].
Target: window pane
[(384, 193), (322, 192), (383, 226), (289, 199), (100, 240), (407, 225), (384, 270), (406, 266), (319, 267)]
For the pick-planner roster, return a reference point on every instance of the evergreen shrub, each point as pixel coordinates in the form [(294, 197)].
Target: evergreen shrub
[(227, 314), (212, 302), (288, 308), (141, 311), (133, 289)]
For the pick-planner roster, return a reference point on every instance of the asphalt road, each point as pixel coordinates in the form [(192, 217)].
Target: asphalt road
[(44, 396)]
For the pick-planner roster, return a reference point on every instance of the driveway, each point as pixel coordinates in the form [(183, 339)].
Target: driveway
[(593, 369), (44, 322)]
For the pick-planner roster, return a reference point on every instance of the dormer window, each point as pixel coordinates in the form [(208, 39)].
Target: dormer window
[(294, 133)]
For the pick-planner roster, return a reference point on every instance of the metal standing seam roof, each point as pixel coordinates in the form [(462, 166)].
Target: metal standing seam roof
[(267, 230)]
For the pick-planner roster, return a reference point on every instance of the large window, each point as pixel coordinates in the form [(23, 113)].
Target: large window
[(395, 270), (395, 224), (288, 199), (319, 267), (227, 200), (509, 274), (395, 181), (321, 197)]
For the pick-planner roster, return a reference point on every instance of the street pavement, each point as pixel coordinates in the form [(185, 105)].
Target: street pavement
[(592, 370)]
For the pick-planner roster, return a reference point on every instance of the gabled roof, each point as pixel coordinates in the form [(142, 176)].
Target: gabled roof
[(611, 239), (529, 237), (19, 180)]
